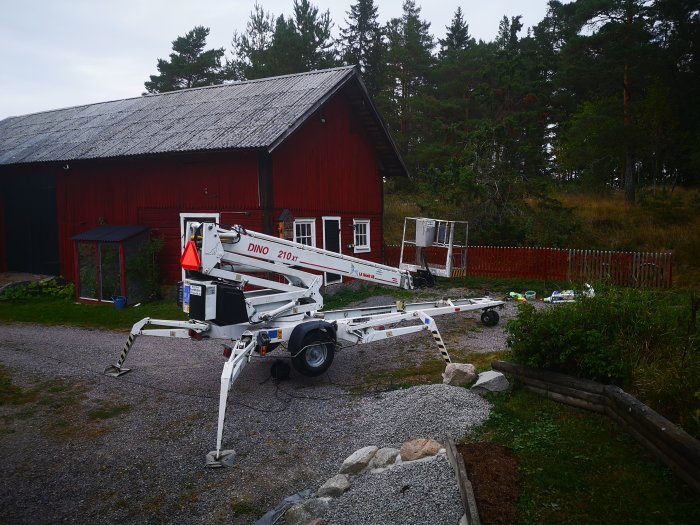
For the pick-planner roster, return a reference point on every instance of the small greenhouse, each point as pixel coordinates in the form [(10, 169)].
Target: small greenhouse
[(111, 264)]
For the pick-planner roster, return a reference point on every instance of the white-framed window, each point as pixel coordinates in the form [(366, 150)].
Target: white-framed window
[(305, 231), (361, 228)]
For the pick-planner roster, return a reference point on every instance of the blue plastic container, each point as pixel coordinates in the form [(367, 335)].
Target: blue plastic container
[(119, 302)]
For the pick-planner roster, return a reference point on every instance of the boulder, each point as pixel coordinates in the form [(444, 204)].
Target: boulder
[(335, 486), (384, 457), (303, 513), (459, 374), (317, 521), (419, 448), (358, 460), (490, 381)]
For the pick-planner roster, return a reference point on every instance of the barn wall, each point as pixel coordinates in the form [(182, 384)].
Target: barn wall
[(326, 168), (329, 168), (153, 193)]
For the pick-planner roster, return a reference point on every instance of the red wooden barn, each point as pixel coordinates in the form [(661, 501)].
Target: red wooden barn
[(310, 147)]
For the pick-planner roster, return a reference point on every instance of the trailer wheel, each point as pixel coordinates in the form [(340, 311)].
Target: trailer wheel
[(315, 354), (490, 318)]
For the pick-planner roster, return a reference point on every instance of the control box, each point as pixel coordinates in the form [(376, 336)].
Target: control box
[(199, 300), (425, 232)]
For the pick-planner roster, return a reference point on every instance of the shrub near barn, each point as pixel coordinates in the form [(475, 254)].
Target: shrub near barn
[(646, 342)]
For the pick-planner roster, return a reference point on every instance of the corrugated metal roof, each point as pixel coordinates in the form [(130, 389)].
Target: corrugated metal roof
[(244, 115)]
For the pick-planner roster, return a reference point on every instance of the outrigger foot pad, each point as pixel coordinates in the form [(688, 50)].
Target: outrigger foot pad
[(225, 458), (116, 371)]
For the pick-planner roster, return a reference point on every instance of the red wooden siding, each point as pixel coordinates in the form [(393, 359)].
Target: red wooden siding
[(328, 168), (153, 192)]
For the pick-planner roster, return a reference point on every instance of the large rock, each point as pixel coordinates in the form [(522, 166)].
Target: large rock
[(384, 457), (419, 448), (358, 460), (334, 487), (459, 374), (490, 381), (303, 513)]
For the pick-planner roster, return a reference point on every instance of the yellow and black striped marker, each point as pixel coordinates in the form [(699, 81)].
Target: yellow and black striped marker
[(117, 370), (430, 323)]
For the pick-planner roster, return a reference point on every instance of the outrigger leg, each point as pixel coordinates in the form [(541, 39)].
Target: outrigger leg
[(117, 370), (177, 329), (232, 369), (432, 326)]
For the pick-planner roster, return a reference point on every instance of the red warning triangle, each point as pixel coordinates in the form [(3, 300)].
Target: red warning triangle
[(190, 258)]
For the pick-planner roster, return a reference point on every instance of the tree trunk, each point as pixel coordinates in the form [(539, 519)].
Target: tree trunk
[(629, 176), (629, 159)]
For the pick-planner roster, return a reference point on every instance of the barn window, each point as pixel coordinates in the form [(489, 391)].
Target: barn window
[(305, 231), (361, 227)]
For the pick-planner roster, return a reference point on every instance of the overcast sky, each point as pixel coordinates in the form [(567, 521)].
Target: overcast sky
[(62, 53)]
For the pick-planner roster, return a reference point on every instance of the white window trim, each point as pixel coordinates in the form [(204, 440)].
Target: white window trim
[(312, 222), (362, 248)]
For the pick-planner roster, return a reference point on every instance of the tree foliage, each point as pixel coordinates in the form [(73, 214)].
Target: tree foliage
[(599, 94), (283, 45), (362, 43), (409, 61), (189, 65)]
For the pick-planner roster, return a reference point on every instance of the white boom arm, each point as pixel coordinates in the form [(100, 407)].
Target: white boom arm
[(247, 250)]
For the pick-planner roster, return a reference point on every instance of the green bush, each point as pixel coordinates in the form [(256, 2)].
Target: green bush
[(644, 341), (52, 288)]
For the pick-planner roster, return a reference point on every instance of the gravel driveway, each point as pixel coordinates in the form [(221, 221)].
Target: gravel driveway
[(87, 447)]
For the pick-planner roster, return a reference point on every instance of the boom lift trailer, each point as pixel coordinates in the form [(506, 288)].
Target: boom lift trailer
[(222, 262)]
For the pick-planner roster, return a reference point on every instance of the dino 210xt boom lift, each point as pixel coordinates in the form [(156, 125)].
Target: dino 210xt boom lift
[(229, 295)]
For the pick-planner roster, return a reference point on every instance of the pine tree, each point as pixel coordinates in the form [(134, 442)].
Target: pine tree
[(409, 61), (250, 48), (313, 31), (457, 37), (362, 42), (283, 45), (189, 65), (609, 60)]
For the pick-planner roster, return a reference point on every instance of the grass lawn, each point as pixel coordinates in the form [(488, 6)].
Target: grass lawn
[(580, 468), (58, 311)]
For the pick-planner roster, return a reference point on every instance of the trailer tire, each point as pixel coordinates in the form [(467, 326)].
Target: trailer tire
[(315, 353), (490, 317)]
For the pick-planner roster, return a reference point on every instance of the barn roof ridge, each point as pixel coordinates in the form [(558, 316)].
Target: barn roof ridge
[(165, 93), (247, 115)]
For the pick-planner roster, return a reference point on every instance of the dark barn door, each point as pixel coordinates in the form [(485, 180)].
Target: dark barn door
[(331, 242), (31, 227)]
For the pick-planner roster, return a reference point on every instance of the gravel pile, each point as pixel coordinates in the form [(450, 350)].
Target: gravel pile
[(413, 493), (145, 462), (390, 419)]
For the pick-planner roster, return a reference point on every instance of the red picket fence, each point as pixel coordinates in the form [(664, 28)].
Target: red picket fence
[(634, 269)]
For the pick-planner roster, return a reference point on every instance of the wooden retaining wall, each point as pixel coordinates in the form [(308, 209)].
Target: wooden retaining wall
[(667, 442), (465, 486)]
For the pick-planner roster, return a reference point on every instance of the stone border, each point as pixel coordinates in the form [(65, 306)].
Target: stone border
[(667, 442), (465, 486)]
